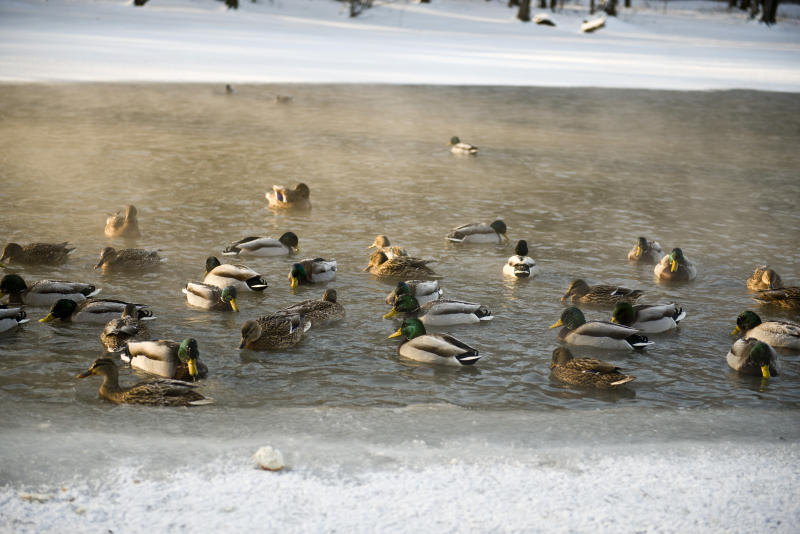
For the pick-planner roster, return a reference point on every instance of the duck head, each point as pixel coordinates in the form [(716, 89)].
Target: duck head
[(188, 353), (229, 295), (12, 284), (297, 274), (410, 328), (746, 321), (289, 239), (561, 355), (403, 304), (676, 259), (62, 309), (623, 314), (571, 317)]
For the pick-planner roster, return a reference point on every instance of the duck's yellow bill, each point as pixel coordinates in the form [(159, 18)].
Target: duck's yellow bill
[(396, 334), (557, 323), (192, 365), (234, 306), (614, 320), (293, 282), (638, 250), (390, 314), (735, 330), (765, 371), (47, 319), (674, 266)]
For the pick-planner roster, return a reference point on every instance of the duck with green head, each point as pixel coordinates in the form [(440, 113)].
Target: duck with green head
[(241, 277), (441, 312), (674, 267), (784, 334), (645, 251), (166, 358), (587, 372), (313, 271), (92, 311), (441, 349), (43, 292), (457, 146), (577, 331), (579, 292), (210, 297), (264, 246), (648, 318), (496, 233), (423, 290), (750, 356)]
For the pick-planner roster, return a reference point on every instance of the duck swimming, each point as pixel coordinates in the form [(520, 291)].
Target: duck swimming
[(11, 318), (783, 334), (92, 311), (441, 349), (312, 272), (600, 295), (44, 292), (441, 312), (127, 327), (520, 265), (273, 332), (210, 297), (127, 259), (459, 147), (577, 331), (166, 358), (423, 290), (750, 356), (786, 297), (480, 233), (398, 267), (317, 311), (650, 319), (126, 225), (36, 253), (241, 277), (645, 251), (264, 246), (674, 267), (587, 372), (294, 199), (764, 278), (383, 245)]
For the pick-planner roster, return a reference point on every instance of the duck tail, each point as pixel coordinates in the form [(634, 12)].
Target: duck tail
[(231, 251), (21, 317), (484, 314), (638, 342), (144, 315), (679, 316), (256, 283), (90, 291), (623, 380), (468, 358)]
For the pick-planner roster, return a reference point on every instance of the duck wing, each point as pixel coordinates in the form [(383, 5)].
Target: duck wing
[(605, 329)]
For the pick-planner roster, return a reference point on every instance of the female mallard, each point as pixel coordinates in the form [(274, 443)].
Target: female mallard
[(382, 244), (440, 312), (166, 358), (645, 251), (223, 275), (127, 258), (459, 147), (786, 297), (600, 334), (600, 295), (11, 318), (314, 271), (43, 292), (587, 372), (210, 297), (423, 290), (777, 333), (263, 246), (295, 199), (126, 327), (317, 311), (398, 267), (119, 225), (520, 265), (764, 278), (273, 332), (480, 233), (674, 267), (442, 349), (91, 311), (153, 392), (35, 253), (750, 356), (647, 318)]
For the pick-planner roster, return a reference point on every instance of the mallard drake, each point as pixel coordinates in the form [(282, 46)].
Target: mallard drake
[(777, 333), (273, 332), (520, 265), (126, 327), (647, 318), (442, 349), (423, 290), (459, 147), (764, 278), (36, 253), (283, 198), (91, 311), (314, 271), (223, 275), (127, 258), (786, 297), (43, 292), (263, 246), (211, 297), (480, 233), (153, 392), (577, 331), (317, 311), (166, 358), (586, 371), (123, 225), (645, 251), (674, 267), (382, 244), (600, 295), (398, 267), (11, 318), (750, 356), (441, 312)]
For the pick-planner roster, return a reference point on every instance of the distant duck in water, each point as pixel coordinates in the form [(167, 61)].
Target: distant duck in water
[(441, 312), (273, 332), (127, 259), (398, 267), (383, 245), (764, 278), (264, 246), (282, 197), (241, 277), (480, 233), (650, 319), (587, 372), (92, 311), (579, 292), (126, 225), (520, 265), (645, 251), (459, 147), (35, 253), (577, 331), (43, 292), (317, 311), (674, 267)]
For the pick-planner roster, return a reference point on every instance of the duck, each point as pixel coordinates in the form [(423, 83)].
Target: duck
[(784, 334), (648, 318), (764, 278), (441, 349), (123, 225), (36, 253), (520, 265), (317, 311), (264, 246), (645, 251), (211, 297), (127, 258), (160, 392), (314, 271), (382, 244), (579, 292), (126, 327), (423, 290), (92, 311), (11, 317), (785, 297), (240, 276), (44, 292), (480, 233), (273, 332), (398, 267), (588, 372), (577, 331), (295, 199), (750, 356), (283, 99), (166, 358), (674, 267), (459, 147), (441, 312)]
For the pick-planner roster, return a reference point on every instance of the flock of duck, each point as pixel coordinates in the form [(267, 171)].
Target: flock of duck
[(417, 298)]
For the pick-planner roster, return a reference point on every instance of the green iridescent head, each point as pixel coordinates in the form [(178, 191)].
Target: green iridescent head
[(746, 321), (676, 258), (62, 309), (229, 294), (411, 328), (623, 314), (571, 317), (188, 354), (290, 240), (12, 284), (211, 263), (454, 140), (297, 275), (405, 303), (761, 355)]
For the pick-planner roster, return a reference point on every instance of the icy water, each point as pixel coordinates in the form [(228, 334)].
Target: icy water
[(578, 173)]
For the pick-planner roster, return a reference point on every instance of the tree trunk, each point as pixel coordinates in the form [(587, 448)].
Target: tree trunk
[(524, 13), (627, 3), (611, 8), (553, 5), (542, 4), (591, 7), (513, 3), (770, 10)]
